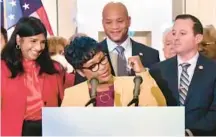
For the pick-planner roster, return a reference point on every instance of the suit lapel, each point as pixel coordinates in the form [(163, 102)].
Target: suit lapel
[(135, 51), (172, 75), (197, 76), (47, 86)]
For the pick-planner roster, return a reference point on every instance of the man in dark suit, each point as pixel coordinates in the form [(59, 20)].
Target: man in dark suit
[(118, 45), (189, 79)]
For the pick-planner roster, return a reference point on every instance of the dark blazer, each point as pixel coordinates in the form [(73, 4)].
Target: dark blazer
[(200, 104), (148, 56)]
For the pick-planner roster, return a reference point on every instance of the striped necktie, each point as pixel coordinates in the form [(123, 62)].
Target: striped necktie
[(184, 83), (122, 63)]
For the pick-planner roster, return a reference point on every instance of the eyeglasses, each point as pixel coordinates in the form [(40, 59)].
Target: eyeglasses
[(95, 67), (208, 43)]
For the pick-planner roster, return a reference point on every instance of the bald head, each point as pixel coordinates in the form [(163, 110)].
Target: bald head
[(116, 21), (115, 7)]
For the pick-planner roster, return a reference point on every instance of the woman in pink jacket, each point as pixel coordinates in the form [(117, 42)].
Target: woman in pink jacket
[(30, 80)]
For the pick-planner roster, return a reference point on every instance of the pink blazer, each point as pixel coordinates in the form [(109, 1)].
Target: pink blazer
[(13, 98)]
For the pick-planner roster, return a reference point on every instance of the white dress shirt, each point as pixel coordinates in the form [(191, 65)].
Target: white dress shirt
[(127, 45), (191, 68)]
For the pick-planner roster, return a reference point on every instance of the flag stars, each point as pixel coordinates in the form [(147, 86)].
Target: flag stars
[(1, 1), (11, 16), (26, 6), (13, 3)]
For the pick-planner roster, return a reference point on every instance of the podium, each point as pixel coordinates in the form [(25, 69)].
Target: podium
[(113, 121)]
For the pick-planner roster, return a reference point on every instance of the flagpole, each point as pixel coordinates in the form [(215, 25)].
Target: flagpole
[(57, 17), (5, 14)]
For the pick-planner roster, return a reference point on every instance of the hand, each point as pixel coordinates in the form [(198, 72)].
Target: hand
[(61, 59), (136, 64)]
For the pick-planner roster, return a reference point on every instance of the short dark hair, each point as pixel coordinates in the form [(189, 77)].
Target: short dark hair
[(4, 33), (26, 26), (81, 50), (197, 27)]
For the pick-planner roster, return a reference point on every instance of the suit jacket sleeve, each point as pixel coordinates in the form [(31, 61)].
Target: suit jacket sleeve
[(208, 122), (156, 57), (64, 80), (78, 78), (69, 79)]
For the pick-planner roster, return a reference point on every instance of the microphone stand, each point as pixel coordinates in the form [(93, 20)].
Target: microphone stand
[(91, 101), (135, 101), (136, 92), (93, 93)]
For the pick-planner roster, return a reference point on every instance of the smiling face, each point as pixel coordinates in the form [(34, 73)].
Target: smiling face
[(31, 47), (116, 22), (97, 67)]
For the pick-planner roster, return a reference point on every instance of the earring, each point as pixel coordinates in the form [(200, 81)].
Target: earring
[(17, 47)]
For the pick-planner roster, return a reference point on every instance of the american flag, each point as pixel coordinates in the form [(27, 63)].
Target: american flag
[(13, 10)]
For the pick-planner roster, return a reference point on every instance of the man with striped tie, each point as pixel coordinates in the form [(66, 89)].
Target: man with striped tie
[(189, 79)]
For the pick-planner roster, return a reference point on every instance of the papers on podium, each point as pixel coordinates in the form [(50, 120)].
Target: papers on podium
[(113, 121)]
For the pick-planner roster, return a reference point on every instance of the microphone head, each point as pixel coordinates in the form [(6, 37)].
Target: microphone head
[(137, 82), (138, 79), (94, 81)]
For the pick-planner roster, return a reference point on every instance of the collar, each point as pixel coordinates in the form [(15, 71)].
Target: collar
[(193, 60), (112, 45), (29, 65)]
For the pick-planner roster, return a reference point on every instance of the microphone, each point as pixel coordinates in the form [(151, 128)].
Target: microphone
[(137, 81), (136, 92), (94, 82)]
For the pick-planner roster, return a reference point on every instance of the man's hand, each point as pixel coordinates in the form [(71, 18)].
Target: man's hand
[(136, 64)]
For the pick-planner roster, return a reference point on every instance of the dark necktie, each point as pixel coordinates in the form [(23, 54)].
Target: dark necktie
[(184, 83), (122, 63)]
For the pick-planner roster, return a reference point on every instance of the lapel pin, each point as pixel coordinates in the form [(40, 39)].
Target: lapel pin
[(141, 54), (200, 67)]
